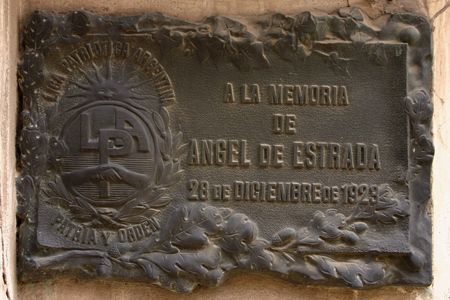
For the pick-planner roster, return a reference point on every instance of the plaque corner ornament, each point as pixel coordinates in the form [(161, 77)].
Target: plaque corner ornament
[(99, 157)]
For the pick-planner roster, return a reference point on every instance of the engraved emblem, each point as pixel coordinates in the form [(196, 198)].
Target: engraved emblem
[(114, 157), (109, 148)]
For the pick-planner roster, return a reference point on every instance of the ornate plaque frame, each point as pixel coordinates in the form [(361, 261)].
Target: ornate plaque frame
[(197, 243)]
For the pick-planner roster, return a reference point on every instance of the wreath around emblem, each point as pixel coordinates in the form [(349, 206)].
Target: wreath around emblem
[(148, 202)]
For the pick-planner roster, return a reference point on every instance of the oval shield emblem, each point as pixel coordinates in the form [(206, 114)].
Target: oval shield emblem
[(115, 154), (110, 155)]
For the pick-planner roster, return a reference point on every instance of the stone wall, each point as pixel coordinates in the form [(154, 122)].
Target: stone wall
[(13, 14)]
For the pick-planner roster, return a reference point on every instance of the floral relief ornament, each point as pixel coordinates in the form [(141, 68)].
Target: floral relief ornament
[(200, 244)]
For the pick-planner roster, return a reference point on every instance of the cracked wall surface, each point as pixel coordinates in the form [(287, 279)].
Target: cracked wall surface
[(13, 14)]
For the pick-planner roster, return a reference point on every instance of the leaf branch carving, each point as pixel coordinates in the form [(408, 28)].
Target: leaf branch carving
[(354, 273), (201, 243), (220, 39), (390, 207), (323, 227), (420, 110)]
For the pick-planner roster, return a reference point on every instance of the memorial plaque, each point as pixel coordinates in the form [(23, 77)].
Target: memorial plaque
[(169, 152)]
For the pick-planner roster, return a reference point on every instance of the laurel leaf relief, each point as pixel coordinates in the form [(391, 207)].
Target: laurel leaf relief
[(324, 226), (354, 273), (390, 208)]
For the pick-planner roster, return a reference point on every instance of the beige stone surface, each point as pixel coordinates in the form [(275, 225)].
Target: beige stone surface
[(8, 103), (14, 12), (441, 132), (239, 287)]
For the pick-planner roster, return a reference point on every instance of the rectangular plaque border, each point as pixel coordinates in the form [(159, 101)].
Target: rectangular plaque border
[(46, 31)]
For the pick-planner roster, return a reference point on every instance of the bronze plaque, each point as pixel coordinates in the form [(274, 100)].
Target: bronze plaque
[(169, 152)]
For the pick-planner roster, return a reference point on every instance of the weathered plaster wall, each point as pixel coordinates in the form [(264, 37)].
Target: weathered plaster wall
[(440, 14), (13, 14), (9, 14)]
